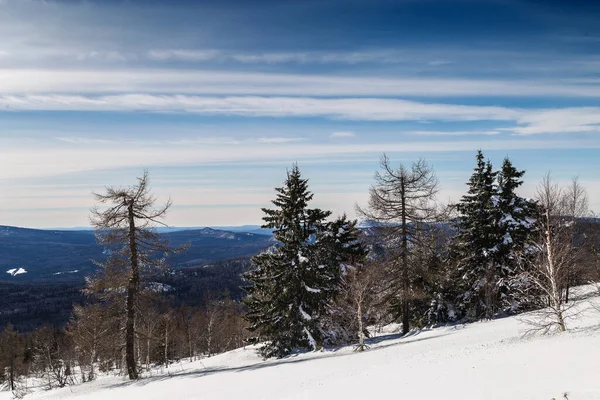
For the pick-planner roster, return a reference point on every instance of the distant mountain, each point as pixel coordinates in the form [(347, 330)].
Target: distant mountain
[(166, 229), (34, 255)]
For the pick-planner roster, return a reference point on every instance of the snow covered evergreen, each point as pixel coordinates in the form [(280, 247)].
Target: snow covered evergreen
[(296, 280), (492, 243), (516, 225), (476, 241)]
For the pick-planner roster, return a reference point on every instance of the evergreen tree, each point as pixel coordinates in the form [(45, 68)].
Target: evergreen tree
[(341, 253), (295, 281), (515, 221), (475, 245)]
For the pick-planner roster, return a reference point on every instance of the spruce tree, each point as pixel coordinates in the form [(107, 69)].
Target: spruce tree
[(337, 252), (295, 281), (474, 245), (515, 221)]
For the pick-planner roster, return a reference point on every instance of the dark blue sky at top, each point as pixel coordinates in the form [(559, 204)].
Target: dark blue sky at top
[(350, 24)]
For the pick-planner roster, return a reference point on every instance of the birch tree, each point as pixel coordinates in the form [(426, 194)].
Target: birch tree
[(575, 205), (556, 254)]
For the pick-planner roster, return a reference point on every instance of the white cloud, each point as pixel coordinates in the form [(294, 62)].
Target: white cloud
[(199, 140), (342, 134), (346, 108), (527, 121), (274, 140), (84, 140), (185, 55), (28, 161), (559, 120), (456, 133), (170, 81)]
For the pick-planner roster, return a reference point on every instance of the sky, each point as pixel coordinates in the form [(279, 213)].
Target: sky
[(218, 99)]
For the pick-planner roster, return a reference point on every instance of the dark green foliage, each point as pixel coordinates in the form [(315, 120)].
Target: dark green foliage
[(475, 241), (295, 281), (516, 225), (29, 306), (491, 247)]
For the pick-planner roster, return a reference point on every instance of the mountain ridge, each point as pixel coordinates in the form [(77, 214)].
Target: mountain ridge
[(66, 256)]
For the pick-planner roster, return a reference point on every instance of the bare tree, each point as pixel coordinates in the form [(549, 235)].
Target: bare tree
[(53, 356), (362, 290), (91, 329), (555, 253), (10, 358), (403, 200), (575, 207), (126, 229)]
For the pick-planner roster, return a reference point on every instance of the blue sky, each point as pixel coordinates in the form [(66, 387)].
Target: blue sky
[(217, 98)]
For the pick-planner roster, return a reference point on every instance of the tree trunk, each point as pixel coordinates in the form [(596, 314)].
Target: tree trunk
[(556, 297), (166, 355), (12, 373), (405, 276), (132, 291), (361, 334)]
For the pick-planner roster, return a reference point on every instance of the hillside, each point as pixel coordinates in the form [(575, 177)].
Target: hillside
[(484, 360), (52, 256)]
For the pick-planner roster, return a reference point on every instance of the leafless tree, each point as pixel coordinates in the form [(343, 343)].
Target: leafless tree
[(556, 253), (147, 326), (362, 289), (53, 356), (10, 358), (127, 230), (403, 201), (167, 329), (92, 331), (575, 207)]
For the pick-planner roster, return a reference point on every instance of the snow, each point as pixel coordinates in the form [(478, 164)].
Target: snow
[(305, 315), (489, 360), (301, 258), (159, 287), (311, 340), (16, 271), (312, 290), (66, 272)]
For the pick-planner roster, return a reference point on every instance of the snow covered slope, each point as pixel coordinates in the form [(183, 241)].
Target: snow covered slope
[(485, 360)]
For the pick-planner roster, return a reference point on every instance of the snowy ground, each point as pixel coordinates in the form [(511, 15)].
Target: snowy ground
[(485, 360)]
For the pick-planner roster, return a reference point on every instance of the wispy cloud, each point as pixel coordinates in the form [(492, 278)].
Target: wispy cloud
[(342, 134), (185, 55), (32, 81), (346, 108), (44, 161), (84, 140), (565, 120), (274, 140), (527, 121), (456, 133)]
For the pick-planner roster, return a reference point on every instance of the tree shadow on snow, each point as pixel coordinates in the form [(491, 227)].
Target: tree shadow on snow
[(292, 359)]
